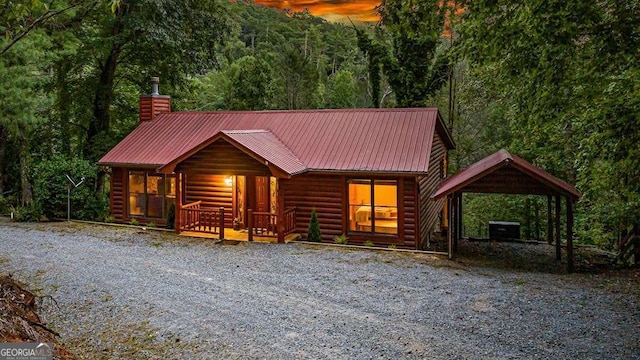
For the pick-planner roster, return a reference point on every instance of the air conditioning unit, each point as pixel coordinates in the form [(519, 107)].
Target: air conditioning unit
[(499, 230)]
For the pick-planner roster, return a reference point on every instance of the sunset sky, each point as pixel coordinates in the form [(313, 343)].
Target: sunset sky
[(332, 10)]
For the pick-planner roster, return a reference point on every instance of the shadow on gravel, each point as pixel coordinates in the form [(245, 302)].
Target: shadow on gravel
[(532, 257)]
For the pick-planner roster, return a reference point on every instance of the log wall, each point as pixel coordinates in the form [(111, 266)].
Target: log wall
[(117, 194), (430, 209), (212, 191), (324, 193)]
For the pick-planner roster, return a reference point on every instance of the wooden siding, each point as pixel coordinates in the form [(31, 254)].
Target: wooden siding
[(430, 209), (116, 193), (212, 191), (508, 180), (222, 158), (410, 213), (325, 194)]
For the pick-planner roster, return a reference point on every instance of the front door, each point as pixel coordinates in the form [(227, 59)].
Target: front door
[(262, 194)]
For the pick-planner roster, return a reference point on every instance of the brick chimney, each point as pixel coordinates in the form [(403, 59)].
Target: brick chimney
[(154, 104)]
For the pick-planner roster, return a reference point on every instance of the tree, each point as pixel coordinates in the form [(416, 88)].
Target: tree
[(313, 233), (250, 87), (172, 39), (416, 67), (24, 75), (342, 90)]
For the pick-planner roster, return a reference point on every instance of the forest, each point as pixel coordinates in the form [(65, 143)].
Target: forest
[(556, 82)]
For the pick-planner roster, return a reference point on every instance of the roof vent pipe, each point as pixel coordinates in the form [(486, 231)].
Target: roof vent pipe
[(154, 85)]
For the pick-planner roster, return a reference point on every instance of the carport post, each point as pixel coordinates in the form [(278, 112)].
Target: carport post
[(558, 250), (450, 230), (549, 221), (569, 234)]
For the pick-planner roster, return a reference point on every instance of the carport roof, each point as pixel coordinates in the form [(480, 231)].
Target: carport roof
[(505, 173)]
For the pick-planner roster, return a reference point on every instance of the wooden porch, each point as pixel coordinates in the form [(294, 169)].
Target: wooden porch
[(240, 235), (195, 220)]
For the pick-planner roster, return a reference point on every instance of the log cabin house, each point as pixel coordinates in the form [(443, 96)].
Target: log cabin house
[(369, 173)]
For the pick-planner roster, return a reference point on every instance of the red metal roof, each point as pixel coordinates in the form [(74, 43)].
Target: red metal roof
[(497, 161), (350, 140)]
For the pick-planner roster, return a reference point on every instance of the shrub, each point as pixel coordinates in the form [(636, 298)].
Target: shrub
[(342, 239), (50, 189), (171, 217), (392, 246), (368, 243), (151, 224), (134, 222), (26, 213), (4, 205), (109, 219), (313, 234)]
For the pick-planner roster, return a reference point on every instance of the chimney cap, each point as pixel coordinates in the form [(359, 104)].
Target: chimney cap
[(154, 85)]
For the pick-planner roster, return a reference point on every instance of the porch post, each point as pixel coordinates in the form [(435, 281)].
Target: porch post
[(549, 221), (221, 223), (558, 250), (178, 207), (250, 223), (569, 234), (280, 218)]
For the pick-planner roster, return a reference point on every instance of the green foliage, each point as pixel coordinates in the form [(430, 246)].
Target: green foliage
[(342, 90), (4, 205), (313, 233), (134, 222), (250, 87), (416, 66), (171, 217), (109, 219), (50, 189), (26, 213), (558, 85), (341, 239), (392, 246), (368, 243), (151, 224)]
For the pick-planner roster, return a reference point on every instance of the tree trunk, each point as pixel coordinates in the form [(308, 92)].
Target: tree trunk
[(26, 194), (63, 106), (3, 150), (103, 96), (104, 91)]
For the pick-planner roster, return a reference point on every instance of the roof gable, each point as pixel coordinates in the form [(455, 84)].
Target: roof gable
[(353, 140), (504, 173), (262, 145)]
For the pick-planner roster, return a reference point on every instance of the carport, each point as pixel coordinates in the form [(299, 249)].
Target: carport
[(505, 173)]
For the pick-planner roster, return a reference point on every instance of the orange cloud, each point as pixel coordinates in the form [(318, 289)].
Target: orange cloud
[(332, 10)]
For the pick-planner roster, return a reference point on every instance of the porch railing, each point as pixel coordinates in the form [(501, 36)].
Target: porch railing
[(266, 224), (195, 218)]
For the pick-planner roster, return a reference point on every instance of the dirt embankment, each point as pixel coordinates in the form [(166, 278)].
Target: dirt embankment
[(19, 320)]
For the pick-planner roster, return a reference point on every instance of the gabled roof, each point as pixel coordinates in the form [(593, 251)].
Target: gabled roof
[(260, 144), (505, 173), (346, 140)]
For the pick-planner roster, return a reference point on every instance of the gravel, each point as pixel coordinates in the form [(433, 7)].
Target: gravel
[(128, 293)]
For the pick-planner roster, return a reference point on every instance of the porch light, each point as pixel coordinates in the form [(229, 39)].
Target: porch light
[(228, 180)]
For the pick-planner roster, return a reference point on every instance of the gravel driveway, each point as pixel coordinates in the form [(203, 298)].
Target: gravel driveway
[(127, 293)]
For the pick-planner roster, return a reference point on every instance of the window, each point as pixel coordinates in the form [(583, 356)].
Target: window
[(150, 194), (373, 209)]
